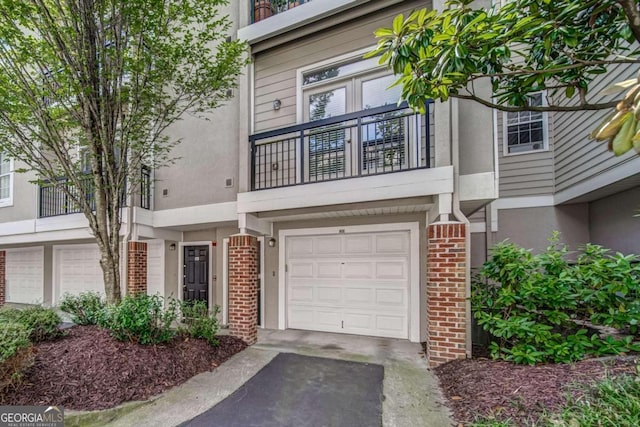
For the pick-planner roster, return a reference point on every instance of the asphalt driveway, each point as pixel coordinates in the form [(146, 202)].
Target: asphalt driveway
[(294, 390)]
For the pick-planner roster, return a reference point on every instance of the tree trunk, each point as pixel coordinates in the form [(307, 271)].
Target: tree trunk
[(111, 274)]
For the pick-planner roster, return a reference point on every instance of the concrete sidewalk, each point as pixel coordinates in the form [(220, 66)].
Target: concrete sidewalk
[(411, 396)]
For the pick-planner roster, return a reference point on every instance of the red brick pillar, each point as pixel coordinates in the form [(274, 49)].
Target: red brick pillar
[(3, 281), (137, 268), (446, 293), (243, 287)]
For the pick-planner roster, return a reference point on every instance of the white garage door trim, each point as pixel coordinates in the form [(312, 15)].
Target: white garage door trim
[(10, 282), (414, 256)]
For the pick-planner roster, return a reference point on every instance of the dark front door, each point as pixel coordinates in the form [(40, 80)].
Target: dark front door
[(196, 273)]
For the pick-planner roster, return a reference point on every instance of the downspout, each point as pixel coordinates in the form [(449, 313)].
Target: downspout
[(457, 213), (125, 245)]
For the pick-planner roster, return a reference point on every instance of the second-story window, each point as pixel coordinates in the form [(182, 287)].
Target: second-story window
[(526, 131), (6, 180)]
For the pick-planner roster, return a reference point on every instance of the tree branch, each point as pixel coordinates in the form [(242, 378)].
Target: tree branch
[(542, 109), (630, 8)]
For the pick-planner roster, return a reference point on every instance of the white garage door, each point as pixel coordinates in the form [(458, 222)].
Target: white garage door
[(349, 283), (25, 275), (77, 270)]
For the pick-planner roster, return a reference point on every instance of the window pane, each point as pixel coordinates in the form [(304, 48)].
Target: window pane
[(4, 164), (327, 104), (338, 71), (5, 187), (376, 92)]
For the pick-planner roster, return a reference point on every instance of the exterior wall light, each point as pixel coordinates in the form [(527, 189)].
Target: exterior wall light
[(272, 242), (277, 104)]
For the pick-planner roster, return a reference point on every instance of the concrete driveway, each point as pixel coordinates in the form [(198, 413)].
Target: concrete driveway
[(410, 393)]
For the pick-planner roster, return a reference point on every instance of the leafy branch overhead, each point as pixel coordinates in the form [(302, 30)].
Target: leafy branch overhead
[(521, 48)]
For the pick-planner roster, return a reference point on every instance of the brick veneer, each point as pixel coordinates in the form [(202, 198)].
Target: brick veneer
[(243, 287), (446, 293), (137, 268), (3, 281)]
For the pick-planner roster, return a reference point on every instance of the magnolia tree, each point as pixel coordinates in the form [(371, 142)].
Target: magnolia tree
[(88, 89), (521, 48)]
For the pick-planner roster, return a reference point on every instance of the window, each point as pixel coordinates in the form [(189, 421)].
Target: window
[(526, 131), (6, 180)]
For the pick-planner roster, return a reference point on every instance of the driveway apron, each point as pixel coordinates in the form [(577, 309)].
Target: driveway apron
[(296, 390)]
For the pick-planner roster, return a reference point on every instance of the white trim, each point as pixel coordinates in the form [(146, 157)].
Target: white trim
[(545, 130), (617, 173), (8, 201), (201, 214), (17, 227), (225, 281), (77, 234), (162, 263), (414, 257), (297, 17), (181, 246), (262, 278)]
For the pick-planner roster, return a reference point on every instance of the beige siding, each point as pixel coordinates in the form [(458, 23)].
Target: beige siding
[(275, 69), (576, 157), (528, 174)]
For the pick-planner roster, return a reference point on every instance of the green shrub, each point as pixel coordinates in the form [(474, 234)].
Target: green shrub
[(85, 308), (531, 304), (141, 318), (16, 353), (42, 323), (200, 323)]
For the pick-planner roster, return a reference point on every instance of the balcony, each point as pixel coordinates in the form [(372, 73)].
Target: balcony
[(383, 140), (263, 9), (53, 201)]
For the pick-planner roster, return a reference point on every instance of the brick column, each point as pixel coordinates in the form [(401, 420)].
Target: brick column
[(3, 281), (446, 293), (243, 287), (137, 268)]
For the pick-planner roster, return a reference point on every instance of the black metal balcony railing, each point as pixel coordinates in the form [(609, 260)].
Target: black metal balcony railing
[(263, 9), (54, 201), (370, 142)]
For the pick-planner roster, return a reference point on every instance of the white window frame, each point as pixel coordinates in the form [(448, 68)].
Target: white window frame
[(8, 201), (545, 131)]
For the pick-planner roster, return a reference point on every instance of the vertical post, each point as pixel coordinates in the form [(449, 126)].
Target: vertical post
[(3, 280), (137, 268), (243, 287), (446, 293)]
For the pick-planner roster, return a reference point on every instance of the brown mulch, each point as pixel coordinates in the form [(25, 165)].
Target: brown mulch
[(483, 387), (88, 369)]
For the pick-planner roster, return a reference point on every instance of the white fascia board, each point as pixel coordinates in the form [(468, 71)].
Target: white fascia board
[(478, 186), (611, 176), (18, 227), (296, 17), (156, 233), (415, 183), (47, 236), (202, 214), (61, 222)]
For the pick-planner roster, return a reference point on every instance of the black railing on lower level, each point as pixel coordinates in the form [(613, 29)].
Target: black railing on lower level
[(370, 142), (55, 201)]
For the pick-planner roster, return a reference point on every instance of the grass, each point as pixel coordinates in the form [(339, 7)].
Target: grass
[(613, 402)]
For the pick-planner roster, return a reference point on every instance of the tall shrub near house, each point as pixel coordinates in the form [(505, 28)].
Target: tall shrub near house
[(541, 308)]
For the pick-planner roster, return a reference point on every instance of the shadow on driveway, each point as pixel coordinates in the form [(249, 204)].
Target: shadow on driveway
[(294, 390)]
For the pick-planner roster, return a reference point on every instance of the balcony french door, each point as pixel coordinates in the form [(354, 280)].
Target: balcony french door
[(374, 144)]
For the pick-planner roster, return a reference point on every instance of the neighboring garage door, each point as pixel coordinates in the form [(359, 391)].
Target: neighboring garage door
[(77, 269), (349, 283), (24, 275)]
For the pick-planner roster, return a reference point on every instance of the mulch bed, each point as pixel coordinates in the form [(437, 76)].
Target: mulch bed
[(483, 387), (87, 369)]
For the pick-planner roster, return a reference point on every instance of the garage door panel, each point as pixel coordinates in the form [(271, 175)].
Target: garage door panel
[(356, 284), (329, 269), (301, 270), (24, 275), (358, 245), (78, 270), (392, 243), (358, 270)]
